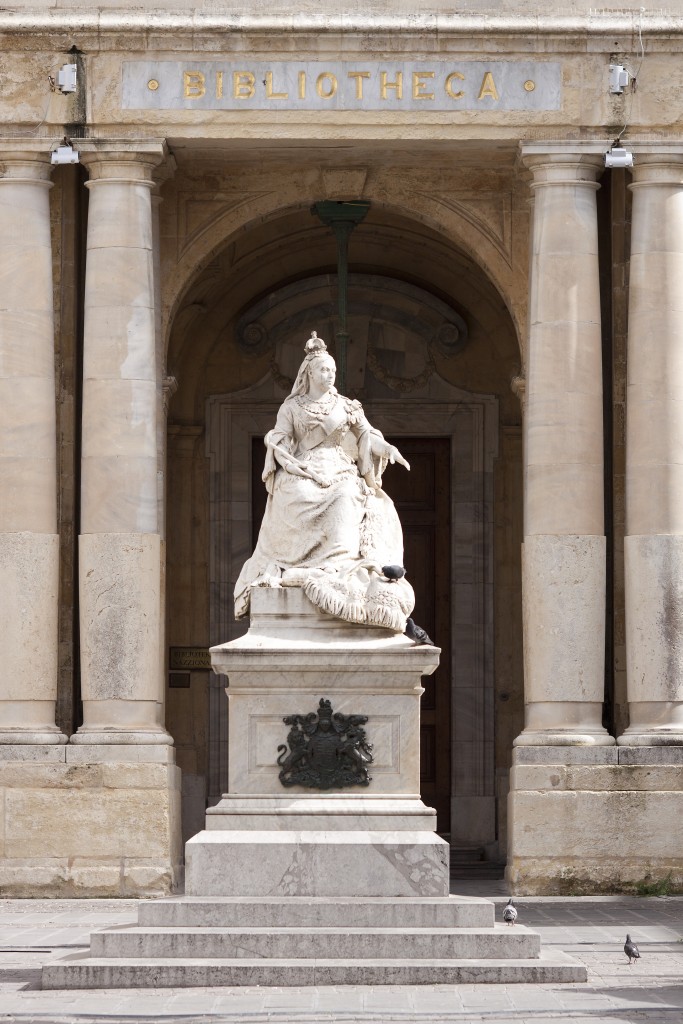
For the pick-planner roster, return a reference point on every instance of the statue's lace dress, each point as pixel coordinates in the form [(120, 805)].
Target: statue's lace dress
[(337, 535)]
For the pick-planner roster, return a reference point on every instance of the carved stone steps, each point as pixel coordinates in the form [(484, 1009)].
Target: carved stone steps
[(317, 911), (345, 944), (91, 972)]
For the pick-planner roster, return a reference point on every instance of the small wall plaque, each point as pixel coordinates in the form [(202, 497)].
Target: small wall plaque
[(195, 659)]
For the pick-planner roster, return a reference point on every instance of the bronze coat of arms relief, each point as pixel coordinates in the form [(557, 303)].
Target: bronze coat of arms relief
[(325, 750)]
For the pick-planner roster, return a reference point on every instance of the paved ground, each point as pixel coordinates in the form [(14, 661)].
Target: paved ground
[(591, 929)]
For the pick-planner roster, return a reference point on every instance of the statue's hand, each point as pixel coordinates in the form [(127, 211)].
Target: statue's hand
[(394, 455)]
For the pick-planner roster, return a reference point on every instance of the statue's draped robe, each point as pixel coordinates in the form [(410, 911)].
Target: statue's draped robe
[(338, 528)]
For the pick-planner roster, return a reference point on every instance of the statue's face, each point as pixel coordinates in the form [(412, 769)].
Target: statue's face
[(322, 372)]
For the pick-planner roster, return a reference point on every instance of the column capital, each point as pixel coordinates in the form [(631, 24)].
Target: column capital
[(658, 166), (563, 163), (119, 160), (30, 161)]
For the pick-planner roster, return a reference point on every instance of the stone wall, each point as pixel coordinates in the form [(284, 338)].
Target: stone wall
[(88, 821)]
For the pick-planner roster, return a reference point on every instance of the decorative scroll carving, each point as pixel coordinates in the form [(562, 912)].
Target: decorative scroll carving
[(327, 750)]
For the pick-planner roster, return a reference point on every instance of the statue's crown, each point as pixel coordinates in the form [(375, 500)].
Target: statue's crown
[(315, 344)]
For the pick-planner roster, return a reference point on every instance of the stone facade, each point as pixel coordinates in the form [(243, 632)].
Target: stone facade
[(154, 298)]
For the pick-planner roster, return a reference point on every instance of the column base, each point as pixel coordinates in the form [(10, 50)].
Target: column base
[(32, 736), (29, 721), (95, 736), (654, 723), (564, 723), (122, 721)]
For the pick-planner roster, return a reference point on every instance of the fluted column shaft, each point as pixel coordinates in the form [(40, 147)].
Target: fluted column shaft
[(120, 549), (29, 543), (564, 546), (653, 546)]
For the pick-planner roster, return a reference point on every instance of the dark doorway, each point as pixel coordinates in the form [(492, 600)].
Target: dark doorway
[(422, 499)]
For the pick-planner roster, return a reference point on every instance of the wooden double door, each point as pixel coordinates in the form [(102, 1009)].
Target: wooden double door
[(422, 499)]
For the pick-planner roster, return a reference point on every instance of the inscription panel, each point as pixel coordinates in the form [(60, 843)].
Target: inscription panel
[(341, 85)]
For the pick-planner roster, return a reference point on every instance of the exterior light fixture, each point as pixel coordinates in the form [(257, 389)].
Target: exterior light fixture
[(618, 157)]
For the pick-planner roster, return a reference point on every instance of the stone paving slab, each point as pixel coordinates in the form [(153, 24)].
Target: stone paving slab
[(591, 929)]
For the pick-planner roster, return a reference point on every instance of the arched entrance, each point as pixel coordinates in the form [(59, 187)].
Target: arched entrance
[(431, 355)]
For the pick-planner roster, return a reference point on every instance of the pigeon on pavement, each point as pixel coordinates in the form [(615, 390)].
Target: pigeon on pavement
[(510, 912), (417, 633), (631, 950)]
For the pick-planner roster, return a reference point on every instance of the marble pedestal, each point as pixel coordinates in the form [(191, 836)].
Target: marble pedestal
[(265, 838)]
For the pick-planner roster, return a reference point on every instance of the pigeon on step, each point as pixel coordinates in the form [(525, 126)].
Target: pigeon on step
[(510, 912), (631, 950), (417, 633)]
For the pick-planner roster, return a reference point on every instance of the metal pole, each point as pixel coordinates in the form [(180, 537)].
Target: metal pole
[(342, 218)]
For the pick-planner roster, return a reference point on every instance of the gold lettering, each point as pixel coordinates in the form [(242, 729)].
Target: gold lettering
[(219, 85), (359, 76), (419, 86), (323, 77), (243, 83), (397, 85), (270, 95), (193, 85), (488, 87), (302, 85), (449, 85)]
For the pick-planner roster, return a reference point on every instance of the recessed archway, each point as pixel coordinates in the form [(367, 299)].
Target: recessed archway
[(230, 387)]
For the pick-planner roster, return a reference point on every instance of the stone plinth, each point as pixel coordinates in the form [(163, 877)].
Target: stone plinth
[(89, 820), (265, 837), (590, 820)]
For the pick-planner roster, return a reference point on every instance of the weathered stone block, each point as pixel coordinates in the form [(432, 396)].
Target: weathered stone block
[(72, 822)]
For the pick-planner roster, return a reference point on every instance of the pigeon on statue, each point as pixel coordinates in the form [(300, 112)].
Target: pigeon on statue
[(510, 912), (631, 950), (417, 634), (393, 572)]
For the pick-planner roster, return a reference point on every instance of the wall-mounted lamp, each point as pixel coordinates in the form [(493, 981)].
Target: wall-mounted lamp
[(618, 157), (65, 154), (67, 78), (619, 78)]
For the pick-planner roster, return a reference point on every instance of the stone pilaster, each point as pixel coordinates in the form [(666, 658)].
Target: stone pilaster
[(653, 546), (120, 544), (29, 544), (563, 556)]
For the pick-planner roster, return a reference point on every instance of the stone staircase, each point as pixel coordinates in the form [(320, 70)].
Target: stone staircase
[(301, 941)]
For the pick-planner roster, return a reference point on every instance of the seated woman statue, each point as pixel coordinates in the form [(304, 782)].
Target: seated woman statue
[(328, 526)]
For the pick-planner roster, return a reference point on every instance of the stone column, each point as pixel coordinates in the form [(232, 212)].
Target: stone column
[(120, 547), (29, 543), (653, 546), (563, 558)]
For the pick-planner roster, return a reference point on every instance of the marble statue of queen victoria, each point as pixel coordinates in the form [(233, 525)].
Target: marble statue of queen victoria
[(328, 526)]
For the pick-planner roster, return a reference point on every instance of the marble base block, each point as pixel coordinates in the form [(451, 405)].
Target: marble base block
[(306, 863)]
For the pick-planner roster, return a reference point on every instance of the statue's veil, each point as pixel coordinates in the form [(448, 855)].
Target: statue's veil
[(315, 347)]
